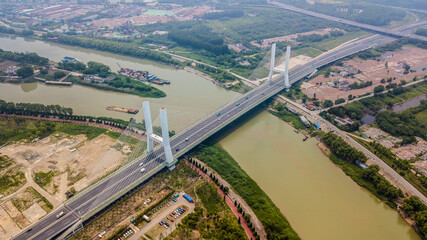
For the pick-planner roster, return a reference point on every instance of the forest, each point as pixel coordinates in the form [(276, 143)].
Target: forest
[(415, 208), (403, 124), (30, 58), (200, 38), (421, 32), (91, 68)]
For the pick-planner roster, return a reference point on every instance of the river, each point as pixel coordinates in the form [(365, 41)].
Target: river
[(317, 198), (189, 96), (399, 107)]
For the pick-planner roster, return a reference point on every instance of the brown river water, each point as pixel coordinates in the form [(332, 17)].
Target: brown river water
[(317, 198)]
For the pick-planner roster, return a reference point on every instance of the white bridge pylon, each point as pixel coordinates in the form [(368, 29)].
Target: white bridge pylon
[(151, 137), (285, 72)]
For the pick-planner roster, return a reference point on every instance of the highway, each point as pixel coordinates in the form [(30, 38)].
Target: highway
[(88, 202), (388, 32)]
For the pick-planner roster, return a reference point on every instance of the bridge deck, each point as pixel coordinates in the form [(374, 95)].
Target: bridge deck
[(93, 199)]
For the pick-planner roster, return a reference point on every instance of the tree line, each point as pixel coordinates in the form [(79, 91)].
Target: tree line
[(416, 209), (91, 68), (30, 58), (112, 46), (33, 109), (23, 33), (344, 151)]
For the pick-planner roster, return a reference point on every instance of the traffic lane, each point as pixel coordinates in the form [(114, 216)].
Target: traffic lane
[(83, 208), (127, 180), (210, 119), (399, 178), (46, 221), (63, 223)]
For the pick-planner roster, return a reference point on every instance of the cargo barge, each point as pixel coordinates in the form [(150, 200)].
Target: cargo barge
[(125, 110), (143, 76)]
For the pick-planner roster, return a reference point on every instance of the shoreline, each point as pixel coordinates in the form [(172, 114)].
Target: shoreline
[(326, 151)]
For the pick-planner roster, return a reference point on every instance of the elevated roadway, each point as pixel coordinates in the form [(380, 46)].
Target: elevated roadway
[(90, 201), (384, 31)]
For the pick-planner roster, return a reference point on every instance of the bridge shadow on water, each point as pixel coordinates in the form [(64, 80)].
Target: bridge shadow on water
[(232, 126)]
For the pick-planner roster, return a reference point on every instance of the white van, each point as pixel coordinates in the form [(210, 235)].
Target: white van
[(142, 170)]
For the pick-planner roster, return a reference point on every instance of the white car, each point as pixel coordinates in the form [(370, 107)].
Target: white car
[(142, 170), (142, 163)]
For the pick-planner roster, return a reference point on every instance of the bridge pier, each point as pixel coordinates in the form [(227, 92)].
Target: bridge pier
[(151, 137), (285, 72)]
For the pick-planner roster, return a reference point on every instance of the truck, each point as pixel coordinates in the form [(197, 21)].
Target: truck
[(147, 219), (176, 195), (317, 126), (188, 198)]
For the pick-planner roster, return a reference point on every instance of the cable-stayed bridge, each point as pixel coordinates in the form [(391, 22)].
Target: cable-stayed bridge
[(93, 199)]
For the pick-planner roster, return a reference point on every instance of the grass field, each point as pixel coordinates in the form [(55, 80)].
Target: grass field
[(422, 116), (5, 162), (45, 178), (11, 181), (158, 12), (316, 48)]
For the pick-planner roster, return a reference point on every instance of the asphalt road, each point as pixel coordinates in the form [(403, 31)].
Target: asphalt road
[(388, 32), (91, 200)]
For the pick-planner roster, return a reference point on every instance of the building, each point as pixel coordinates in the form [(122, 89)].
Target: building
[(97, 79), (344, 122), (310, 106), (11, 70), (305, 121), (69, 60)]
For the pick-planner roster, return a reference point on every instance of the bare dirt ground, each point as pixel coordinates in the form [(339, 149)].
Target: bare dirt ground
[(291, 38), (180, 14), (5, 64), (372, 70), (294, 61), (34, 213), (7, 226), (411, 151), (71, 168)]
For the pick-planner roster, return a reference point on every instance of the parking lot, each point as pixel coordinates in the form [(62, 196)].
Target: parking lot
[(169, 215)]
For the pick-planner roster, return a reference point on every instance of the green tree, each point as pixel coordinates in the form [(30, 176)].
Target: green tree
[(379, 88), (59, 74), (25, 71), (328, 103)]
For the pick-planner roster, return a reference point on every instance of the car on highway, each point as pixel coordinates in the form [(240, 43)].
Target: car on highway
[(60, 214), (142, 163), (142, 170), (237, 104), (186, 139), (218, 114), (29, 230)]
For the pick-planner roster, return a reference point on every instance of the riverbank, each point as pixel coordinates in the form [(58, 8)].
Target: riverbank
[(357, 174), (94, 124), (275, 224), (228, 197)]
